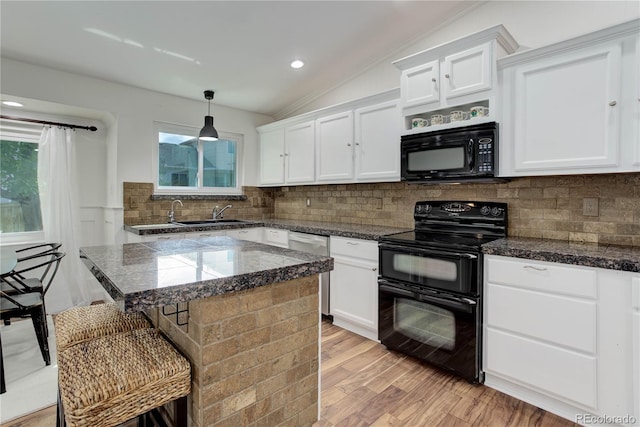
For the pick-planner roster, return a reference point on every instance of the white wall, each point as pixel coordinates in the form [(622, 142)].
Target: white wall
[(130, 136), (532, 23)]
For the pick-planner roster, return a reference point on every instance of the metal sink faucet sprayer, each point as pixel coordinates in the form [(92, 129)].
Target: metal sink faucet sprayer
[(171, 213), (217, 212)]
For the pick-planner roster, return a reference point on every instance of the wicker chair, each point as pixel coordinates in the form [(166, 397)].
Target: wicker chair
[(108, 380), (80, 324)]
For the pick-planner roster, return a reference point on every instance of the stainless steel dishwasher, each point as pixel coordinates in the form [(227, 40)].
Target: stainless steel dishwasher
[(317, 245)]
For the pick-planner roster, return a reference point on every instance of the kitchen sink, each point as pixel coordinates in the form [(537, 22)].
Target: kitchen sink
[(211, 222)]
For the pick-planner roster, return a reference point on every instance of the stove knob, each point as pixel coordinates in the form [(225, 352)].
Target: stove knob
[(495, 211), (418, 208), (427, 208), (485, 210)]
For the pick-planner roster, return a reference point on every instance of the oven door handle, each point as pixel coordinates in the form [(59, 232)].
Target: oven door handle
[(385, 286), (460, 304), (440, 254), (457, 303)]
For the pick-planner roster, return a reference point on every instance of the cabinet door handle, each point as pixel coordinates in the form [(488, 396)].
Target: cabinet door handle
[(374, 269), (357, 143), (446, 76), (286, 154), (348, 144), (613, 103), (535, 268), (433, 79), (281, 155)]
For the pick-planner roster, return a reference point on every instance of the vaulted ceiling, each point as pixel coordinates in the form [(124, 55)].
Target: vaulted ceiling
[(240, 49)]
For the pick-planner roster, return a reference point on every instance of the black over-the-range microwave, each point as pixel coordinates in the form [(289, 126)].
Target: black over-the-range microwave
[(460, 154)]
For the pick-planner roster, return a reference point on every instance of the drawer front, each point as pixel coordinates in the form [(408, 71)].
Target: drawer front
[(542, 276), (354, 248), (251, 234), (167, 236), (556, 319), (562, 372), (274, 236), (197, 234)]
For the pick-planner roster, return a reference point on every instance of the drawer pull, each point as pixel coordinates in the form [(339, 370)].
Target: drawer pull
[(205, 235), (164, 238), (352, 243), (535, 268)]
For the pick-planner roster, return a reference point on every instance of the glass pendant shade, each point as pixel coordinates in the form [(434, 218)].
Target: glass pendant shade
[(208, 132)]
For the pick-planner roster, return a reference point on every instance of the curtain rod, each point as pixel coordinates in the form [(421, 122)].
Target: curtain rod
[(66, 125)]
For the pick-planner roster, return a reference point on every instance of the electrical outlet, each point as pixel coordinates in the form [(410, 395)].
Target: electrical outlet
[(308, 202), (378, 202), (590, 206)]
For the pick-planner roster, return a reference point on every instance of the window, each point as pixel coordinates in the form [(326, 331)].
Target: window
[(20, 216), (188, 165)]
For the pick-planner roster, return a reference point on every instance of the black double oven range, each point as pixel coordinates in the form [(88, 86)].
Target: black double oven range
[(430, 284)]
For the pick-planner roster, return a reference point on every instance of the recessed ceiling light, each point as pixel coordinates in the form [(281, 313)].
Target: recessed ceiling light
[(12, 104), (297, 64)]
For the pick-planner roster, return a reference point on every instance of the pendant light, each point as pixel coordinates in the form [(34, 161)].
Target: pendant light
[(208, 132)]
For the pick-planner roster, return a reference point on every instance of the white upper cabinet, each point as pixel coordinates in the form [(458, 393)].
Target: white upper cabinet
[(357, 141), (454, 76), (299, 146), (468, 71), (569, 108), (284, 155), (334, 147), (377, 142), (419, 85), (272, 157)]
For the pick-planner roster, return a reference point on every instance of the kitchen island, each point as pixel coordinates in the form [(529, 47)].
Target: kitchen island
[(245, 314)]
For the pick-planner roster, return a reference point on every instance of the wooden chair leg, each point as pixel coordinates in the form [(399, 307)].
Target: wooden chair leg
[(38, 319)]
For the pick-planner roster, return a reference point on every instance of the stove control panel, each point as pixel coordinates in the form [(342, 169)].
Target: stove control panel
[(470, 211)]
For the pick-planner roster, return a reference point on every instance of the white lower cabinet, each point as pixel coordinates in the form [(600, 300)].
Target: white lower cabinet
[(275, 237), (354, 285), (136, 238), (207, 233), (250, 234), (559, 336), (635, 307)]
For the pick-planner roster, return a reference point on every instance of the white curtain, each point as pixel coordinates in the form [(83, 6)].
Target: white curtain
[(61, 216)]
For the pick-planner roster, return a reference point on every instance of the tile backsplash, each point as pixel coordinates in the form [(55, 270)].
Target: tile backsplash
[(139, 208), (550, 207)]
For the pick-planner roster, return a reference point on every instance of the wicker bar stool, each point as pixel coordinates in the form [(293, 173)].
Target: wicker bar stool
[(109, 380), (80, 324)]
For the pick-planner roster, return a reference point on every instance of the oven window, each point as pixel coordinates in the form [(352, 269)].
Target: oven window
[(429, 268), (437, 159), (425, 323)]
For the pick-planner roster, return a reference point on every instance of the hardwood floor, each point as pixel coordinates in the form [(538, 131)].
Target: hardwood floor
[(364, 384)]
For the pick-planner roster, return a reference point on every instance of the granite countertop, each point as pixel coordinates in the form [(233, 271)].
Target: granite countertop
[(144, 275), (624, 258), (357, 231)]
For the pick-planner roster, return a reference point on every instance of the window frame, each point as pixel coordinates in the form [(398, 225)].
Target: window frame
[(199, 189), (21, 133)]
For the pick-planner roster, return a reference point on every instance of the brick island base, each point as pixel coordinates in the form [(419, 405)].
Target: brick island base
[(254, 355)]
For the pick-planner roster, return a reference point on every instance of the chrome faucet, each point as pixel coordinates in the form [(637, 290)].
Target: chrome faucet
[(171, 213), (217, 212)]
